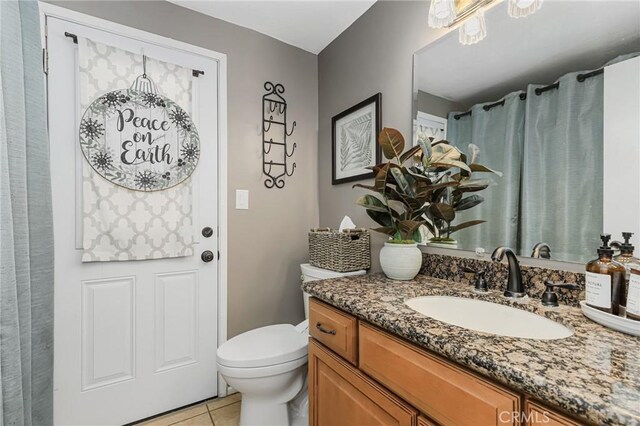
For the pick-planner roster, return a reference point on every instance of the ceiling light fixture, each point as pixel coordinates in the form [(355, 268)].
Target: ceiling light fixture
[(473, 29), (441, 13), (469, 14), (522, 8)]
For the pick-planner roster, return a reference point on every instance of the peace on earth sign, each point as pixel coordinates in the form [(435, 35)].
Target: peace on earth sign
[(139, 140)]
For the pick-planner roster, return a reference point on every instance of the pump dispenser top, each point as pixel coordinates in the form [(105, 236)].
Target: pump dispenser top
[(627, 247), (605, 250)]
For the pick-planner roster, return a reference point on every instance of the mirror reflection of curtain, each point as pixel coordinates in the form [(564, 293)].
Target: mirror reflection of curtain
[(459, 131), (563, 168), (499, 133)]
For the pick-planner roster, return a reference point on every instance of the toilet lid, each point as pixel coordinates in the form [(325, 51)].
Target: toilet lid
[(265, 346)]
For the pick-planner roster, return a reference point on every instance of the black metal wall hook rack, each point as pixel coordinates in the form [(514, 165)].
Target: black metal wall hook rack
[(274, 125)]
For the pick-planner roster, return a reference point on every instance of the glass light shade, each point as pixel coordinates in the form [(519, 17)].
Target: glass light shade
[(441, 13), (522, 8), (473, 30)]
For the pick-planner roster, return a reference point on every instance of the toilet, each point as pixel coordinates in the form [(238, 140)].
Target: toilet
[(268, 366)]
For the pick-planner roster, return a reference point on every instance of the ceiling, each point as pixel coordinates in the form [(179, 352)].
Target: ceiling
[(308, 24), (563, 36)]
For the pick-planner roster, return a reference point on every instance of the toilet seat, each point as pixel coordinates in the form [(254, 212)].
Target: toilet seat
[(271, 346), (257, 372)]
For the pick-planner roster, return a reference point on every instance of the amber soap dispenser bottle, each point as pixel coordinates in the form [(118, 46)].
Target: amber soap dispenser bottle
[(605, 280)]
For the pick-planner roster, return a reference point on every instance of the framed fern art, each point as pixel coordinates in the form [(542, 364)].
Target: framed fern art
[(354, 135)]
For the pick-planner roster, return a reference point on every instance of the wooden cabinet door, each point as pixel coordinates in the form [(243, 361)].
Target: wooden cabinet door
[(442, 390), (537, 414), (423, 421), (340, 395)]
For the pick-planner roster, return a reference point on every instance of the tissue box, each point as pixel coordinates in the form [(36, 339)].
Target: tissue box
[(344, 251)]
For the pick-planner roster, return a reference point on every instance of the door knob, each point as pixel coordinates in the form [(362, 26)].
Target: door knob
[(207, 256)]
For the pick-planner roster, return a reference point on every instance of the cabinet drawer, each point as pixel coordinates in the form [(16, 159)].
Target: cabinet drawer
[(335, 329), (537, 414), (339, 395), (443, 391)]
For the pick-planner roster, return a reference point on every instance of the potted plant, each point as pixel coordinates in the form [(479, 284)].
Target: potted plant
[(427, 192)]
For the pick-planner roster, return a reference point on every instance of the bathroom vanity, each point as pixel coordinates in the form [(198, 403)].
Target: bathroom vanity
[(373, 360)]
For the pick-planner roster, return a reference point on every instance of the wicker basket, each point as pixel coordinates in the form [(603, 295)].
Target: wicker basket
[(344, 251)]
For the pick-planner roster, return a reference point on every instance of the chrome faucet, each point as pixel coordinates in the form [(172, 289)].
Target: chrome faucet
[(541, 250), (515, 288)]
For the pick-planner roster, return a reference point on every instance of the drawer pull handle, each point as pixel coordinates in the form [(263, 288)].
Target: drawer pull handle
[(324, 330)]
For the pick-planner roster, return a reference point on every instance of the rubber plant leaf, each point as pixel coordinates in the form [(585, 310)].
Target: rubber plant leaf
[(480, 168), (391, 142), (369, 187), (402, 182), (473, 185), (417, 236), (370, 202), (468, 202), (410, 202), (408, 227), (388, 230), (442, 211), (474, 152), (464, 225), (417, 175), (426, 151), (444, 155), (410, 153), (382, 219), (382, 177)]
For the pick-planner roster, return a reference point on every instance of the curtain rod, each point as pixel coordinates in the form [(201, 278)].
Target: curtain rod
[(195, 73), (487, 107), (580, 77)]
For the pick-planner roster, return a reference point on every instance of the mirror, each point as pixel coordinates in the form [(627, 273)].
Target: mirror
[(554, 105)]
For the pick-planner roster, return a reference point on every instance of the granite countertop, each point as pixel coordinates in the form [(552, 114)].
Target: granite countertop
[(594, 374)]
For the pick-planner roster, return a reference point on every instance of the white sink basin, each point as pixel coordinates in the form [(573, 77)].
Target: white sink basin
[(488, 317)]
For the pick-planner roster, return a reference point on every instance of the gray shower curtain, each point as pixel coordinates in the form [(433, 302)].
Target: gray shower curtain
[(499, 133), (563, 168), (26, 234), (550, 149)]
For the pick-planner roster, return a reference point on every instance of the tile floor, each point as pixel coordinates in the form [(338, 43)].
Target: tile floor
[(214, 412)]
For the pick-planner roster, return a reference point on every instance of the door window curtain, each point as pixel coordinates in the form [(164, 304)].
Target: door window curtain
[(499, 134), (26, 230), (119, 224)]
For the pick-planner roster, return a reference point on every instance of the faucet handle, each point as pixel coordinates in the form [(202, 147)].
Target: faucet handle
[(549, 297), (479, 284), (469, 270)]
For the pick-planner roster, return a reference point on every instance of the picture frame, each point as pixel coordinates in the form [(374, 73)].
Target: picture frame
[(354, 141)]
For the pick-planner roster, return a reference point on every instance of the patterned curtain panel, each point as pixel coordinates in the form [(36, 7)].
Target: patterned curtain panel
[(119, 223)]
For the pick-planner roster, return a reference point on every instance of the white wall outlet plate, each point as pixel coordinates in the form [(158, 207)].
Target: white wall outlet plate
[(242, 199)]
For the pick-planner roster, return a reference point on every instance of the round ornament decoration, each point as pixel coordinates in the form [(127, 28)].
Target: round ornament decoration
[(138, 139)]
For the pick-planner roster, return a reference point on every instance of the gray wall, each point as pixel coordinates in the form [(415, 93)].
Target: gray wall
[(374, 55), (269, 241), (435, 105)]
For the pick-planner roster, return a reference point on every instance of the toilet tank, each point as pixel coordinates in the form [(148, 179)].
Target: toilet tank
[(312, 273)]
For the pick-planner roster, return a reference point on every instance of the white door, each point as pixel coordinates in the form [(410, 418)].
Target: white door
[(132, 338)]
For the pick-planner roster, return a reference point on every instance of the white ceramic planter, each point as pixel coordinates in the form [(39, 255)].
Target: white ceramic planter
[(400, 261)]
